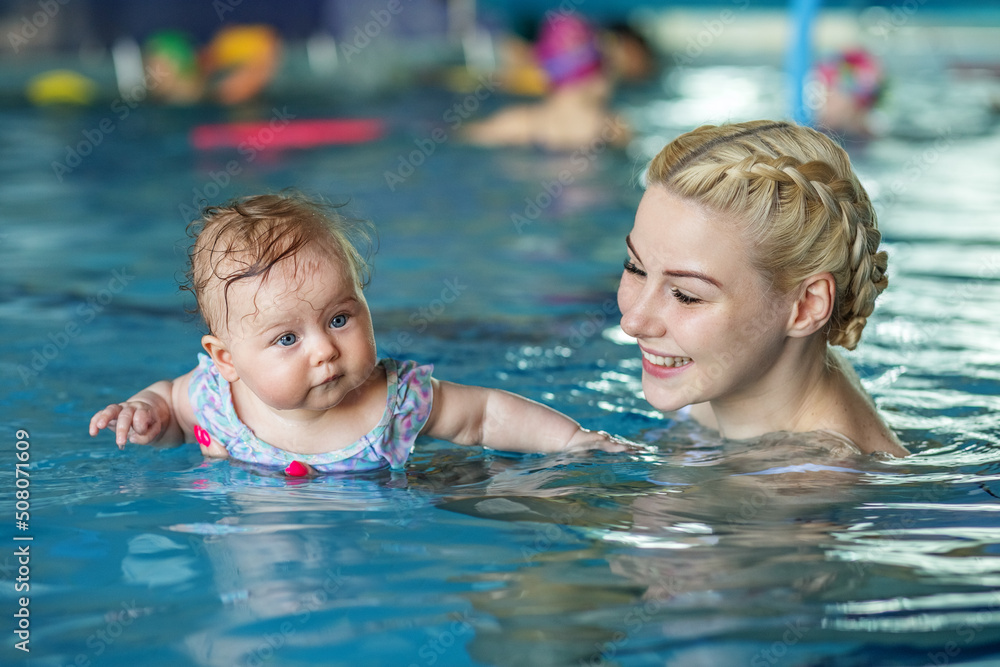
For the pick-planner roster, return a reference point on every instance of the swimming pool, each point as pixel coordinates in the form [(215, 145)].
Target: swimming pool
[(692, 552)]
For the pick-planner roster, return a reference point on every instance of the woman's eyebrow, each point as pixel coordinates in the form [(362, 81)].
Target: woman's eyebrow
[(677, 274), (628, 242)]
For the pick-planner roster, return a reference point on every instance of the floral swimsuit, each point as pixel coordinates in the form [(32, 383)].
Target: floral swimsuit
[(408, 405)]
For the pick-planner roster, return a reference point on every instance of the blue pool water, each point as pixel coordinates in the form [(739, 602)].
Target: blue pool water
[(673, 555)]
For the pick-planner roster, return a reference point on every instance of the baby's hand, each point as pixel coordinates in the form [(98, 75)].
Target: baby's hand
[(586, 439), (133, 421)]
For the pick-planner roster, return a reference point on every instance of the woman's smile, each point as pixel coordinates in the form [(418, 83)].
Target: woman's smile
[(663, 366)]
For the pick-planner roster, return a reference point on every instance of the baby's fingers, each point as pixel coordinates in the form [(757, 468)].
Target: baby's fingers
[(123, 425), (610, 443), (620, 444), (145, 426), (104, 418), (605, 442)]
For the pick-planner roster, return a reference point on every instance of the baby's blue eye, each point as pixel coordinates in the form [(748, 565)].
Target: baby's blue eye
[(338, 321), (286, 340)]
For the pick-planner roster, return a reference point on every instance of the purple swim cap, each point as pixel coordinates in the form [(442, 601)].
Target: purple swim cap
[(567, 49), (855, 72)]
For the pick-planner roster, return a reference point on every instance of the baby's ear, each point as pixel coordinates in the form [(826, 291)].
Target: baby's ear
[(219, 351), (814, 305)]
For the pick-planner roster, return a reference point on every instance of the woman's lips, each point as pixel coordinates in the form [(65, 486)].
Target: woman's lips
[(662, 365)]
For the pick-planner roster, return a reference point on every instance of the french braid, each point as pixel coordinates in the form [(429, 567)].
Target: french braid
[(802, 207)]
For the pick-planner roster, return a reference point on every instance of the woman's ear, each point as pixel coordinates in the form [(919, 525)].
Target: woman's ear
[(814, 305), (219, 351)]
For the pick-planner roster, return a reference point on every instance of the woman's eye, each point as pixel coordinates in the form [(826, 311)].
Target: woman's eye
[(287, 340), (632, 268), (684, 298), (338, 321)]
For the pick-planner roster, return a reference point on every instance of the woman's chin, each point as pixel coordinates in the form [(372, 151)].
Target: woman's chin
[(665, 401)]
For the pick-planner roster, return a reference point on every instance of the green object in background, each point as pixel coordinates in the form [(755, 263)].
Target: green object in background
[(176, 46)]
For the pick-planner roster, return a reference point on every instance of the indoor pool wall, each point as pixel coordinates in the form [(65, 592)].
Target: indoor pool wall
[(690, 551)]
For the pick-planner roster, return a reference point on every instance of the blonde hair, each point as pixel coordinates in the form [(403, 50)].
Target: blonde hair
[(800, 204), (245, 238)]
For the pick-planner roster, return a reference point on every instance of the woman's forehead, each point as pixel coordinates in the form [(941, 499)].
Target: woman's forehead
[(675, 234)]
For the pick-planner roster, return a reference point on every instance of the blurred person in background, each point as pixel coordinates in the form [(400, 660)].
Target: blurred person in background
[(574, 113), (234, 67), (848, 86)]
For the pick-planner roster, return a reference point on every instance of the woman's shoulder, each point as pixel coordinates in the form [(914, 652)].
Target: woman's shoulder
[(858, 419), (873, 436)]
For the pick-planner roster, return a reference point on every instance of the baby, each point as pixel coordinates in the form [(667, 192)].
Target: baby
[(291, 378)]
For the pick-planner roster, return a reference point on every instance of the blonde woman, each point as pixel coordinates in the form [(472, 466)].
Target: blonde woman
[(754, 251)]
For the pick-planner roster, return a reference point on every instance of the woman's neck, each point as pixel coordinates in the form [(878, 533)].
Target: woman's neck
[(795, 395)]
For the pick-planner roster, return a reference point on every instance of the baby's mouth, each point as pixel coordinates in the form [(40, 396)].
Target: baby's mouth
[(667, 362)]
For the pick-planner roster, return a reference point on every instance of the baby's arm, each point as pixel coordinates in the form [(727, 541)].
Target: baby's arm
[(499, 419), (161, 414)]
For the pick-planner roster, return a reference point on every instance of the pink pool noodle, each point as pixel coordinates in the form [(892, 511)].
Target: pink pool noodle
[(287, 134)]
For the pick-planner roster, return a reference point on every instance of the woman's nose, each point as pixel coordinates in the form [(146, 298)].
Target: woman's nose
[(639, 316)]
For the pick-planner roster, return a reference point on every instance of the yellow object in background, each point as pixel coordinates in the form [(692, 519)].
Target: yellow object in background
[(528, 80), (241, 59), (61, 86), (241, 44)]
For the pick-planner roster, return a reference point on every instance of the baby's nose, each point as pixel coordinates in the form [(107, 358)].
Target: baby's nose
[(325, 350)]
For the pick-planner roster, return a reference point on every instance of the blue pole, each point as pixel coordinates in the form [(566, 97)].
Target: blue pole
[(798, 60)]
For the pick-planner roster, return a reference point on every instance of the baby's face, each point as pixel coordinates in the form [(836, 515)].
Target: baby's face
[(302, 338)]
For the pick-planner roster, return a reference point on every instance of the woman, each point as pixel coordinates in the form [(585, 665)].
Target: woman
[(754, 250)]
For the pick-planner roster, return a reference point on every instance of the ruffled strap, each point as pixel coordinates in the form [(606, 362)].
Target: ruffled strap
[(213, 408), (409, 404)]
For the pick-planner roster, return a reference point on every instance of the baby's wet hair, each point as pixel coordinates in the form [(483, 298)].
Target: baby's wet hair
[(247, 237), (801, 207)]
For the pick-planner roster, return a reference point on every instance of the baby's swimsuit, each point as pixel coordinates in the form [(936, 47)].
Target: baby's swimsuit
[(408, 405)]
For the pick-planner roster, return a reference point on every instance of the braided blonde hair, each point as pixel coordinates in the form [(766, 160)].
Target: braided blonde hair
[(802, 207)]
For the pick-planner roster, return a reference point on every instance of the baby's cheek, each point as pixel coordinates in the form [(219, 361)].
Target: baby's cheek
[(283, 393)]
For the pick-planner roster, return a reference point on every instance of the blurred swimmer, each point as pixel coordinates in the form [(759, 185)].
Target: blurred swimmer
[(850, 85), (575, 112)]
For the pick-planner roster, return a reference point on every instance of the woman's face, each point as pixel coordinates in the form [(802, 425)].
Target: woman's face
[(706, 321)]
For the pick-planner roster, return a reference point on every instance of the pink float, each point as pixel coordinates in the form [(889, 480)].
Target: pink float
[(288, 134)]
